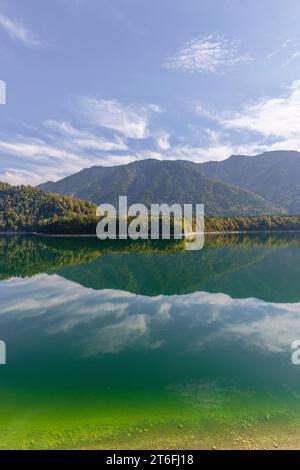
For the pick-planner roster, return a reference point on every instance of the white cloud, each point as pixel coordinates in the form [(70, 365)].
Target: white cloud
[(110, 136), (2, 92), (129, 120), (63, 149), (162, 140), (17, 31), (34, 148), (217, 146), (111, 321), (271, 123), (33, 176), (274, 333), (291, 59), (36, 161), (82, 139), (211, 151), (272, 54), (271, 117), (206, 54)]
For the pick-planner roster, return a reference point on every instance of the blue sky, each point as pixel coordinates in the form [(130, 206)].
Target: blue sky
[(106, 82)]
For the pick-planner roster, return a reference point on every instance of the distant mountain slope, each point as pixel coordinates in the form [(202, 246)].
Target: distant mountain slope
[(154, 181), (24, 207), (273, 175)]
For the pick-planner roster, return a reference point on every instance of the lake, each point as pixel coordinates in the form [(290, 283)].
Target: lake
[(145, 345)]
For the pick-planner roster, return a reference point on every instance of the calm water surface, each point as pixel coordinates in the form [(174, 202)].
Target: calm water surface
[(146, 345)]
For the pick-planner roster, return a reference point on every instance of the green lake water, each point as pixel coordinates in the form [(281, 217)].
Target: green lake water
[(146, 345)]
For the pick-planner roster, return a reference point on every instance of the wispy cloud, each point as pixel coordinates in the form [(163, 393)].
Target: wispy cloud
[(35, 160), (272, 54), (82, 139), (129, 120), (285, 52), (105, 134), (206, 54), (270, 117), (271, 123), (163, 140), (2, 92), (215, 151), (17, 31), (62, 150), (291, 59), (113, 321)]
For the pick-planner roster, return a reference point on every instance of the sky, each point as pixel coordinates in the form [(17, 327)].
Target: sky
[(107, 82)]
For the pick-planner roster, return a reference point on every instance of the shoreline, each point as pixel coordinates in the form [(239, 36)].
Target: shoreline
[(91, 235)]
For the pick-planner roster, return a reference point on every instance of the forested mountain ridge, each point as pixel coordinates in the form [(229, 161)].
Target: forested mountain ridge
[(239, 187), (273, 175), (271, 181), (154, 181)]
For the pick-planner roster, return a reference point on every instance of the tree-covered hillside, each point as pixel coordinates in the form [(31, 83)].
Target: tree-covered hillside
[(27, 208), (23, 208)]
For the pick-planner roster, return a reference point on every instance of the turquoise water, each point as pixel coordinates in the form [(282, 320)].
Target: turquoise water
[(133, 346)]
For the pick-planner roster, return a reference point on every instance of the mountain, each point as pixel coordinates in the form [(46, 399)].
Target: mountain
[(273, 175), (154, 181), (24, 207)]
